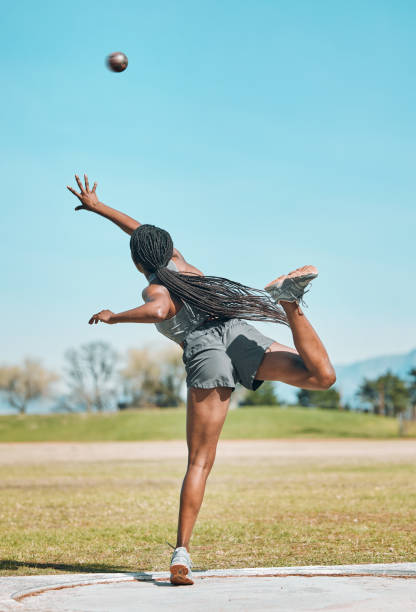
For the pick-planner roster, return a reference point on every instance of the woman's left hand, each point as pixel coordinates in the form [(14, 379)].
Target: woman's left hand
[(87, 197), (104, 316)]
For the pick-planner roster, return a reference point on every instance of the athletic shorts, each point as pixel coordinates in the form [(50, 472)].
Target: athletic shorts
[(223, 353)]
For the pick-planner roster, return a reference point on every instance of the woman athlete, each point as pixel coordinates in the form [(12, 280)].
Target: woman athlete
[(206, 316)]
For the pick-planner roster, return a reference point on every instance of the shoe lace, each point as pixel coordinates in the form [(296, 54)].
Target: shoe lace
[(302, 301), (302, 289), (174, 548)]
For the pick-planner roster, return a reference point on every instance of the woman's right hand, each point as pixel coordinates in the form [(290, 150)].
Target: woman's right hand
[(104, 315), (88, 199)]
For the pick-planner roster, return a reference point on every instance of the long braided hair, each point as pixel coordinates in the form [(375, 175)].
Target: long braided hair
[(152, 247)]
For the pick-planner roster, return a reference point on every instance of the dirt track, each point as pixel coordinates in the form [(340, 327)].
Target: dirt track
[(39, 452)]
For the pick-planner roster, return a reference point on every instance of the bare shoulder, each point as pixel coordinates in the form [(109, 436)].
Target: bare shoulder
[(177, 254), (183, 265), (155, 292)]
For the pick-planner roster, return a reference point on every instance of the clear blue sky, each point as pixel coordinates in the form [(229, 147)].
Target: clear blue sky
[(263, 135)]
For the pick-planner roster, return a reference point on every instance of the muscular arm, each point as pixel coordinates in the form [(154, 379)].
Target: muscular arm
[(155, 309), (89, 201), (126, 223)]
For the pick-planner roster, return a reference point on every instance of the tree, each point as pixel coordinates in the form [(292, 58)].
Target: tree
[(91, 376), (304, 398), (172, 377), (264, 396), (329, 399), (394, 394), (25, 383), (141, 376), (155, 378), (368, 393), (412, 392), (388, 394)]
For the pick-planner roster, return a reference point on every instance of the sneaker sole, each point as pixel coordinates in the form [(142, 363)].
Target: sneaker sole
[(311, 272), (179, 575), (278, 284)]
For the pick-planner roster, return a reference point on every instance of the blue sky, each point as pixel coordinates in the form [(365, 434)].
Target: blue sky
[(263, 135)]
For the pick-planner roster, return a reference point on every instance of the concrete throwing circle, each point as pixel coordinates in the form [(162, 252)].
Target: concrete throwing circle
[(360, 588)]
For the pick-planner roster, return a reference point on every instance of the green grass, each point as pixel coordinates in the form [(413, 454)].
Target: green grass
[(169, 424), (117, 516)]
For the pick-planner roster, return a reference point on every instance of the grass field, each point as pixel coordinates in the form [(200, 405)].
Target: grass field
[(117, 515), (169, 424), (67, 515)]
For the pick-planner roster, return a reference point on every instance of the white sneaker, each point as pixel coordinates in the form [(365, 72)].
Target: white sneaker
[(291, 287), (180, 567)]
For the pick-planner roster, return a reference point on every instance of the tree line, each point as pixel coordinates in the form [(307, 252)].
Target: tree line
[(387, 395), (97, 379)]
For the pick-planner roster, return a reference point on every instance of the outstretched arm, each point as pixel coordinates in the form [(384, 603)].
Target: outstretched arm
[(89, 201), (155, 309)]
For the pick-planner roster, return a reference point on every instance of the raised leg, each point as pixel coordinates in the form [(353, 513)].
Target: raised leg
[(206, 412), (308, 366)]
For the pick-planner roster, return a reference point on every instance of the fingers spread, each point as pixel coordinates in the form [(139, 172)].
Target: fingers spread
[(94, 187), (87, 185), (80, 185), (73, 191)]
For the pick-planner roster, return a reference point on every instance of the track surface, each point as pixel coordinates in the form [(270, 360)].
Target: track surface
[(34, 452)]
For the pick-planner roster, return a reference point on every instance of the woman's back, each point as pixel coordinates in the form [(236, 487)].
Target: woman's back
[(186, 319)]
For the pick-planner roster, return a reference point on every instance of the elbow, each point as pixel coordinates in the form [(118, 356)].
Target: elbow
[(159, 315), (328, 379)]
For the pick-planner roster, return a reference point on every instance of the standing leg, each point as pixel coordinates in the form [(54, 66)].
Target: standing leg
[(308, 366), (206, 412)]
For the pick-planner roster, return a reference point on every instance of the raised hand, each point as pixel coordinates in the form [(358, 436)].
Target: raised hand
[(103, 315), (88, 199)]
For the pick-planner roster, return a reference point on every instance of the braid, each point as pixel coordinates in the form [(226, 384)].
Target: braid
[(152, 247)]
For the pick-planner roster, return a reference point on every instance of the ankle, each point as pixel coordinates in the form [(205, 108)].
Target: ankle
[(291, 308)]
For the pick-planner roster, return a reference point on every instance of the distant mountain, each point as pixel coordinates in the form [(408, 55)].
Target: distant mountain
[(349, 377)]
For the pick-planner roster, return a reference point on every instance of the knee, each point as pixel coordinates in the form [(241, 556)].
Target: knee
[(202, 462)]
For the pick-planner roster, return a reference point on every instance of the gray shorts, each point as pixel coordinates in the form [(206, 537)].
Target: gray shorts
[(221, 354)]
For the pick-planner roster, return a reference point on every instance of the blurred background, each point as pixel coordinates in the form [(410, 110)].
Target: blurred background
[(263, 136)]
